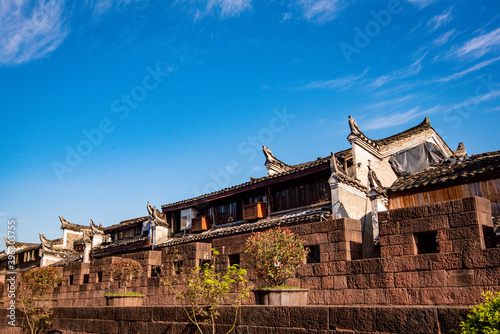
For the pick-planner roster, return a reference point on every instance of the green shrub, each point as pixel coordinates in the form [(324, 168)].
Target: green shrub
[(34, 286), (39, 280), (275, 254), (205, 289), (485, 317), (124, 270)]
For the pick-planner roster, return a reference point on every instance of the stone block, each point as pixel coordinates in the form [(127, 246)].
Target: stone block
[(310, 283), (269, 316), (371, 266), (327, 282), (315, 239), (309, 318), (463, 219), (353, 318), (391, 251), (349, 224), (336, 236), (354, 267), (320, 269), (450, 317), (477, 204), (426, 224), (361, 281), (438, 209), (382, 216), (391, 227), (462, 277), (323, 226), (406, 320), (382, 280), (340, 282), (409, 249), (447, 261)]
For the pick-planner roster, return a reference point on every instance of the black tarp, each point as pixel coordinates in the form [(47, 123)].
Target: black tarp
[(416, 159)]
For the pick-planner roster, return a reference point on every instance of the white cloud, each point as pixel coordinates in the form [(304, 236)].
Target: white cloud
[(398, 118), (286, 17), (421, 3), (444, 38), (343, 83), (320, 11), (362, 82), (104, 6), (401, 73), (30, 31), (469, 70), (440, 20), (479, 46), (223, 8)]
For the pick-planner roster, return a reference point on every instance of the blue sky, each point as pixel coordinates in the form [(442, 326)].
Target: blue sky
[(108, 104)]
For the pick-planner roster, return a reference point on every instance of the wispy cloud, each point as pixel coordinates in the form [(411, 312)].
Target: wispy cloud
[(30, 31), (421, 3), (398, 118), (401, 73), (444, 38), (342, 83), (393, 102), (479, 46), (471, 69), (440, 20), (361, 81), (101, 7), (3, 213), (320, 11), (223, 8)]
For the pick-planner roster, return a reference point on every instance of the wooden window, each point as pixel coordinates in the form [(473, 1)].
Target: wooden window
[(302, 194)]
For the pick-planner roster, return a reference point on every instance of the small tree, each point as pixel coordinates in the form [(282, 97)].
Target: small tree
[(124, 270), (485, 317), (205, 289), (275, 254), (34, 285)]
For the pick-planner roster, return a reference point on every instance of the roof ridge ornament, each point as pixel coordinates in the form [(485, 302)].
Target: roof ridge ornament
[(274, 165), (46, 244), (156, 216), (354, 126)]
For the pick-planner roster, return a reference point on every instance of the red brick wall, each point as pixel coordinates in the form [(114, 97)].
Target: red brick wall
[(456, 275), (255, 319)]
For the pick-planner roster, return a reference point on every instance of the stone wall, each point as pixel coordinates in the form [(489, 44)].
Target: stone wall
[(255, 319), (438, 254)]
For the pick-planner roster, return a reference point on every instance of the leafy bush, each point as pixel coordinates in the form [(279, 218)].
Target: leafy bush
[(34, 286), (205, 289), (485, 317), (275, 254), (124, 270), (40, 280)]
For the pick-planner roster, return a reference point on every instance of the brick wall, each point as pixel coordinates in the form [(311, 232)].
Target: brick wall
[(455, 272), (255, 319)]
